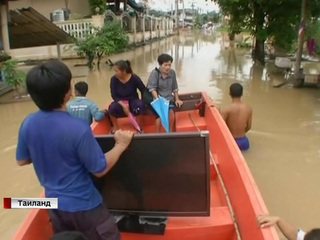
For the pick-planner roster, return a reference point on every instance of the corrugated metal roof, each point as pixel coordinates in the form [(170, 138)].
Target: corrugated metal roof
[(28, 28)]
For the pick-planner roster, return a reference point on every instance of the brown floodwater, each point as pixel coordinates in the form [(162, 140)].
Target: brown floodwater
[(284, 157)]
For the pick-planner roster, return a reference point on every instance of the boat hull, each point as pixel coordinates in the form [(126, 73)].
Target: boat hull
[(241, 189)]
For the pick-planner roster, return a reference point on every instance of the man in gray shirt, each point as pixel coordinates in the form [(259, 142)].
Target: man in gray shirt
[(83, 108), (163, 82)]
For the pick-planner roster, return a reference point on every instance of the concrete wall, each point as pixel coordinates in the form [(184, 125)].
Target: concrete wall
[(50, 52), (139, 37), (40, 53)]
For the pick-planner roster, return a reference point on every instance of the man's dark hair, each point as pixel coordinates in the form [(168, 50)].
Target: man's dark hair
[(314, 234), (69, 236), (48, 84), (236, 90), (82, 88), (164, 58)]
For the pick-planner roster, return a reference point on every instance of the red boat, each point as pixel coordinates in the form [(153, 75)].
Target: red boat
[(233, 213)]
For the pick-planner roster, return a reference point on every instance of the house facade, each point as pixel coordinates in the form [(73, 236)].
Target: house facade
[(140, 28), (78, 8)]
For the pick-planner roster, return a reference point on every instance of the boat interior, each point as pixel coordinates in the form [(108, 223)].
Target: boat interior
[(235, 200)]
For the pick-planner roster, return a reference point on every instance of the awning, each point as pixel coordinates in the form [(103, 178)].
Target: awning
[(28, 28)]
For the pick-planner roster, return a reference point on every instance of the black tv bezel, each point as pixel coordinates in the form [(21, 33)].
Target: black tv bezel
[(205, 135)]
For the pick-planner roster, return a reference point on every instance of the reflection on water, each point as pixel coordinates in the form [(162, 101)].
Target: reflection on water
[(285, 154)]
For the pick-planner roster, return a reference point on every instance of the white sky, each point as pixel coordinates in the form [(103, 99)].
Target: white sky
[(166, 4)]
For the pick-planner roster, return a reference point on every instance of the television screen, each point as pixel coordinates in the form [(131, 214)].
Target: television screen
[(159, 175)]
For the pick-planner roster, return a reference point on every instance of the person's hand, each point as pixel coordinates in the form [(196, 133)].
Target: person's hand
[(125, 107), (126, 110), (267, 221), (178, 103), (123, 138)]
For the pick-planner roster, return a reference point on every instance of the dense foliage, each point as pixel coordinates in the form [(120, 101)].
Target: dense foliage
[(13, 77), (110, 39), (99, 5), (268, 19), (201, 19)]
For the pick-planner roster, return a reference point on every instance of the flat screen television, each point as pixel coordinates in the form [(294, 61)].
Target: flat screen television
[(159, 175)]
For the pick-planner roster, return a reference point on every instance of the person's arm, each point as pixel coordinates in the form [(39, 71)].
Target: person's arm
[(91, 155), (96, 113), (177, 101), (175, 90), (289, 231), (22, 153), (154, 94), (123, 140), (153, 83), (113, 89), (125, 107), (249, 122), (140, 84), (23, 162), (224, 114), (176, 96), (217, 107), (112, 158)]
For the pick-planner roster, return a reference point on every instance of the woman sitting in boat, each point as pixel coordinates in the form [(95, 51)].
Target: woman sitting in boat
[(163, 82), (124, 85)]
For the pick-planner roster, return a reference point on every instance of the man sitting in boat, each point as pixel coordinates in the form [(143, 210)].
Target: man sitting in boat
[(238, 117), (124, 85), (164, 83), (82, 107), (65, 153), (289, 231)]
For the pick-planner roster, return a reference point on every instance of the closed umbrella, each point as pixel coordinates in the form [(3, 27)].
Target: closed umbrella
[(161, 106), (132, 118)]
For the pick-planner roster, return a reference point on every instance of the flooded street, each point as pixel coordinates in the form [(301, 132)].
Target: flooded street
[(284, 157)]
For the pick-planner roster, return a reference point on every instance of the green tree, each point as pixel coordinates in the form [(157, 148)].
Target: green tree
[(99, 5), (313, 25), (13, 77), (110, 39), (198, 21), (214, 17), (201, 19), (265, 19)]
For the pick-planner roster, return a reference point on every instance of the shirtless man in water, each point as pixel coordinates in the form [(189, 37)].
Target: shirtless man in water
[(238, 116)]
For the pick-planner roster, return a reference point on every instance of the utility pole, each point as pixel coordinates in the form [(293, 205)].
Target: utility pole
[(147, 7), (183, 14), (300, 40), (192, 7), (176, 13), (171, 10), (4, 26)]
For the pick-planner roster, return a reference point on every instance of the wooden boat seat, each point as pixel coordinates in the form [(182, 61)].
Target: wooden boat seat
[(185, 124), (189, 103)]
